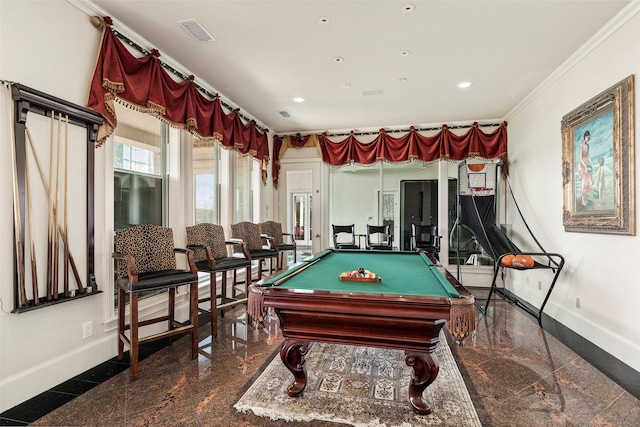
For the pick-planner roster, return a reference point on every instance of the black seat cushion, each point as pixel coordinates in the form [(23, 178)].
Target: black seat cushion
[(222, 264), (157, 279), (286, 246), (262, 253), (347, 246)]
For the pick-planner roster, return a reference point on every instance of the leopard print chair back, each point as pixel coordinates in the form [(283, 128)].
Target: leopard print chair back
[(151, 245), (250, 233), (272, 229), (206, 234)]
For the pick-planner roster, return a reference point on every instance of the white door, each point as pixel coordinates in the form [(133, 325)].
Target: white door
[(300, 198)]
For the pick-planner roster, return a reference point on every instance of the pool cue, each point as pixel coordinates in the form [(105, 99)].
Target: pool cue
[(50, 213), (65, 242), (32, 246), (17, 223), (56, 248), (63, 234)]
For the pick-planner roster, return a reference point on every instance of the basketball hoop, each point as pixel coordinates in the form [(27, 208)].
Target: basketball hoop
[(481, 191)]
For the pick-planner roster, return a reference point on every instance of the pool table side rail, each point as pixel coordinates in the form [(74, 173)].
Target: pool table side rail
[(399, 323)]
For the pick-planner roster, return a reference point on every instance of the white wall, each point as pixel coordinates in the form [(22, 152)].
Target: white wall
[(602, 270), (50, 46)]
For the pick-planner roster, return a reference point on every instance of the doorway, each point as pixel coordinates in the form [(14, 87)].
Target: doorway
[(299, 201), (419, 202), (419, 206)]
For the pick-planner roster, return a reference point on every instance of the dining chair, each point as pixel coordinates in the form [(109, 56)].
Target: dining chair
[(274, 229), (379, 237), (211, 256), (145, 259), (248, 239), (425, 238), (344, 237)]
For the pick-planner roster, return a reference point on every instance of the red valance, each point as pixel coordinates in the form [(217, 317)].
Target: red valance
[(412, 146), (144, 84)]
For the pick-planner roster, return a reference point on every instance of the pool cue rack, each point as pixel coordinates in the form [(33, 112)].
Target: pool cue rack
[(27, 296)]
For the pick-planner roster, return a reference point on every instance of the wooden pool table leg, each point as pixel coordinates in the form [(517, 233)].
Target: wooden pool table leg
[(292, 354), (425, 370)]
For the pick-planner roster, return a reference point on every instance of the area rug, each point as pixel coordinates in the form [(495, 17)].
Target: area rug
[(360, 386)]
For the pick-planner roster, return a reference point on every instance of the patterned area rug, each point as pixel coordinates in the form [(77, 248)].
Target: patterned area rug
[(360, 386)]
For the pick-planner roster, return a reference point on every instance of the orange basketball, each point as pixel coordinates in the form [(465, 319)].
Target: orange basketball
[(475, 167), (522, 261), (507, 260)]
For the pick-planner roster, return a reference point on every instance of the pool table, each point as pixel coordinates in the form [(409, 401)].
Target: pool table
[(405, 310)]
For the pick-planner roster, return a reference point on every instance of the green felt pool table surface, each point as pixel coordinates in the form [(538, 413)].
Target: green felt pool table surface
[(401, 273)]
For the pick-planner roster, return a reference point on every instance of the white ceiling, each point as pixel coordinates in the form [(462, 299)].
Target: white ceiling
[(268, 52)]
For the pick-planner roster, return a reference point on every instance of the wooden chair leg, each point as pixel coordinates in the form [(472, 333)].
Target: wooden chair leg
[(133, 338), (172, 311), (214, 298), (259, 270), (121, 315), (224, 290), (193, 311)]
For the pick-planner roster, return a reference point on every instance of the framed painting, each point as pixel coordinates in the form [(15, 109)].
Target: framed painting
[(598, 158)]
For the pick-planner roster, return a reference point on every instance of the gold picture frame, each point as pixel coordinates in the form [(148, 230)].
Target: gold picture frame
[(598, 157)]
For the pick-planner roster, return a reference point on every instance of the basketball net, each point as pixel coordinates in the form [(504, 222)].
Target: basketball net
[(482, 191)]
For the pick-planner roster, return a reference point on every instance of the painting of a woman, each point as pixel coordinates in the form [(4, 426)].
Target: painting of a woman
[(586, 166), (594, 177)]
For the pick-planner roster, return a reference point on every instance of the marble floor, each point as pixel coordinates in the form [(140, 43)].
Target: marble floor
[(517, 373)]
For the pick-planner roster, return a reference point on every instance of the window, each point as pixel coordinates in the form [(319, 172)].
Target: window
[(132, 158), (139, 164), (301, 211), (247, 178), (206, 197), (138, 183)]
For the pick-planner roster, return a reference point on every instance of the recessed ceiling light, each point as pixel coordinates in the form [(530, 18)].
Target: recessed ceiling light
[(402, 80), (338, 59), (298, 99), (346, 85), (408, 8), (405, 53), (324, 20), (464, 85)]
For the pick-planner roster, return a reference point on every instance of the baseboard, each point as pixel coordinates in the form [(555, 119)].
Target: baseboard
[(27, 384), (624, 375)]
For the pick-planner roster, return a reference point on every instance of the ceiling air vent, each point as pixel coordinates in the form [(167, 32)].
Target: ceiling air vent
[(196, 30), (285, 113), (371, 92)]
